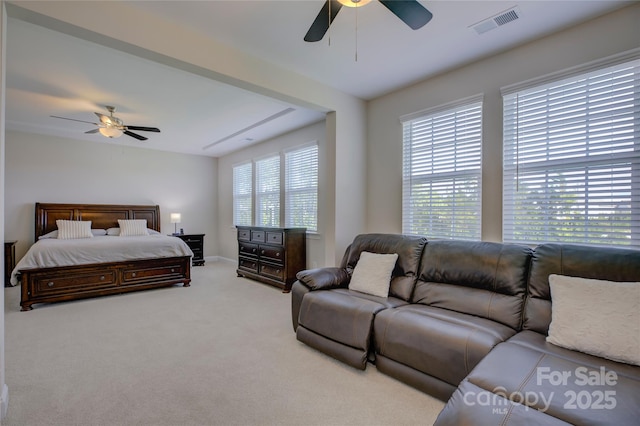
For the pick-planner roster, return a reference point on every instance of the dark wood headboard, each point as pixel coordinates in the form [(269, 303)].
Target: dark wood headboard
[(102, 216)]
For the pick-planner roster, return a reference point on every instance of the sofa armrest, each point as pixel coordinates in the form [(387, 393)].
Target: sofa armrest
[(324, 278)]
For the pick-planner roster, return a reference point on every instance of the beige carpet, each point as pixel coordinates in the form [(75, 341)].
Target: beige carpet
[(222, 352)]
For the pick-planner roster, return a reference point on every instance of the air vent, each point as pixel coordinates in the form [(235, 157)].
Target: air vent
[(497, 20)]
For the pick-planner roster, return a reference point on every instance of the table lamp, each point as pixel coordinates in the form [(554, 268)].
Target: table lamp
[(175, 219)]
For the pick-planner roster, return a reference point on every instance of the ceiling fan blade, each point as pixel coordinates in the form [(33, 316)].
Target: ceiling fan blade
[(92, 131), (322, 21), (134, 135), (73, 119), (411, 12), (144, 129)]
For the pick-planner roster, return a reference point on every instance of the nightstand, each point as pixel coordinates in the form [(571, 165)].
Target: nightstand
[(196, 244), (9, 261)]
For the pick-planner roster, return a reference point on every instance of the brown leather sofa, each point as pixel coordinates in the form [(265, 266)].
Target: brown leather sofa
[(466, 322)]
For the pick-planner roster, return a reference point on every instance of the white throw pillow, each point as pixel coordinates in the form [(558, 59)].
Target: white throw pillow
[(133, 227), (372, 274), (73, 229), (115, 232), (597, 317)]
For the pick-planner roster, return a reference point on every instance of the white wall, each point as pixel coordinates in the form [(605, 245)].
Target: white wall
[(4, 390), (602, 37), (45, 169), (129, 29), (228, 245)]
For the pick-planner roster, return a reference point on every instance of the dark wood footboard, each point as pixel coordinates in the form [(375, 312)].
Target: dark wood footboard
[(81, 281)]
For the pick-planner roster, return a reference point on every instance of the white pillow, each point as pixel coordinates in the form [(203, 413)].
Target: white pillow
[(133, 227), (601, 318), (116, 232), (372, 274), (73, 229)]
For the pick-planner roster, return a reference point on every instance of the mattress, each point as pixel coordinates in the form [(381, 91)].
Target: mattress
[(53, 252)]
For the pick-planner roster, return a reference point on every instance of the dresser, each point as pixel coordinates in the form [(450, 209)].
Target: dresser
[(196, 244), (272, 255)]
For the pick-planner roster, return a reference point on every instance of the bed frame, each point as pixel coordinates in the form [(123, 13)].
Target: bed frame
[(57, 284)]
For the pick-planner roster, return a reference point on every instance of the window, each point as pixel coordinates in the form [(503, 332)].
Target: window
[(442, 153), (572, 159), (268, 191), (301, 188), (242, 193)]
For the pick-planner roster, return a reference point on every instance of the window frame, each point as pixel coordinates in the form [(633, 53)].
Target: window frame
[(308, 189), (446, 174), (561, 176)]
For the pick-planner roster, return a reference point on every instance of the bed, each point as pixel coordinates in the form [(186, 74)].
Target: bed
[(99, 265)]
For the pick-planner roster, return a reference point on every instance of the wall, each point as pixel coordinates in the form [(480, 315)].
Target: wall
[(228, 245), (599, 38), (131, 30), (46, 169), (4, 390)]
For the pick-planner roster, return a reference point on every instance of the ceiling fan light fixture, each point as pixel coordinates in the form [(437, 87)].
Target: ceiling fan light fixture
[(110, 132), (353, 3)]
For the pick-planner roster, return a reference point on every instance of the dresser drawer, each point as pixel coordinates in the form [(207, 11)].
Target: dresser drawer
[(272, 253), (272, 271), (193, 241), (244, 234), (133, 275), (248, 264), (258, 236), (247, 249), (274, 237), (80, 282)]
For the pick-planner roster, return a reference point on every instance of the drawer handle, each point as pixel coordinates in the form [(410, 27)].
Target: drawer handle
[(172, 270), (262, 252), (101, 277), (50, 283), (278, 254), (277, 271), (133, 274)]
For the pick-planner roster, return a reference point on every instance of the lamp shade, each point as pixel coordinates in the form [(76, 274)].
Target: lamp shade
[(354, 3), (175, 217), (110, 132)]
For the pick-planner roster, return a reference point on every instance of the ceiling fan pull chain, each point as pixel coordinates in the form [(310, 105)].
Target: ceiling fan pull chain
[(357, 7), (329, 29)]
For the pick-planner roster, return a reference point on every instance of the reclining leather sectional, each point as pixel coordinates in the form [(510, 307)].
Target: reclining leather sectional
[(466, 322)]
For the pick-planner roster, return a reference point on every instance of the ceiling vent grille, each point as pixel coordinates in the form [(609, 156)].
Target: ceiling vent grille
[(497, 20)]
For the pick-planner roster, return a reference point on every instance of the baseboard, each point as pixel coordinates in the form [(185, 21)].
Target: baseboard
[(4, 402), (220, 259)]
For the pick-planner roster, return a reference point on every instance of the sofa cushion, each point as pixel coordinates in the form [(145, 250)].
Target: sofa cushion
[(601, 318), (342, 316), (566, 385), (372, 274), (601, 263), (409, 250), (479, 278), (441, 343)]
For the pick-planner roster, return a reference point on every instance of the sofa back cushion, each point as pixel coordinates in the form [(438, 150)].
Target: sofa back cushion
[(600, 263), (409, 250), (484, 279)]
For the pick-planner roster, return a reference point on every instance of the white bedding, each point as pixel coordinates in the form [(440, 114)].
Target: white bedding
[(52, 252)]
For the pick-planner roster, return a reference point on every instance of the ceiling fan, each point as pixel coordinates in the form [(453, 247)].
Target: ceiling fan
[(411, 12), (113, 127)]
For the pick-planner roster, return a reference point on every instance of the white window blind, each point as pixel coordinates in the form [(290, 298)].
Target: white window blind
[(442, 160), (301, 188), (242, 194), (268, 191), (572, 159)]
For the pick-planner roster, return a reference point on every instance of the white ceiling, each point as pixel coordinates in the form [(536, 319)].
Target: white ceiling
[(50, 73)]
